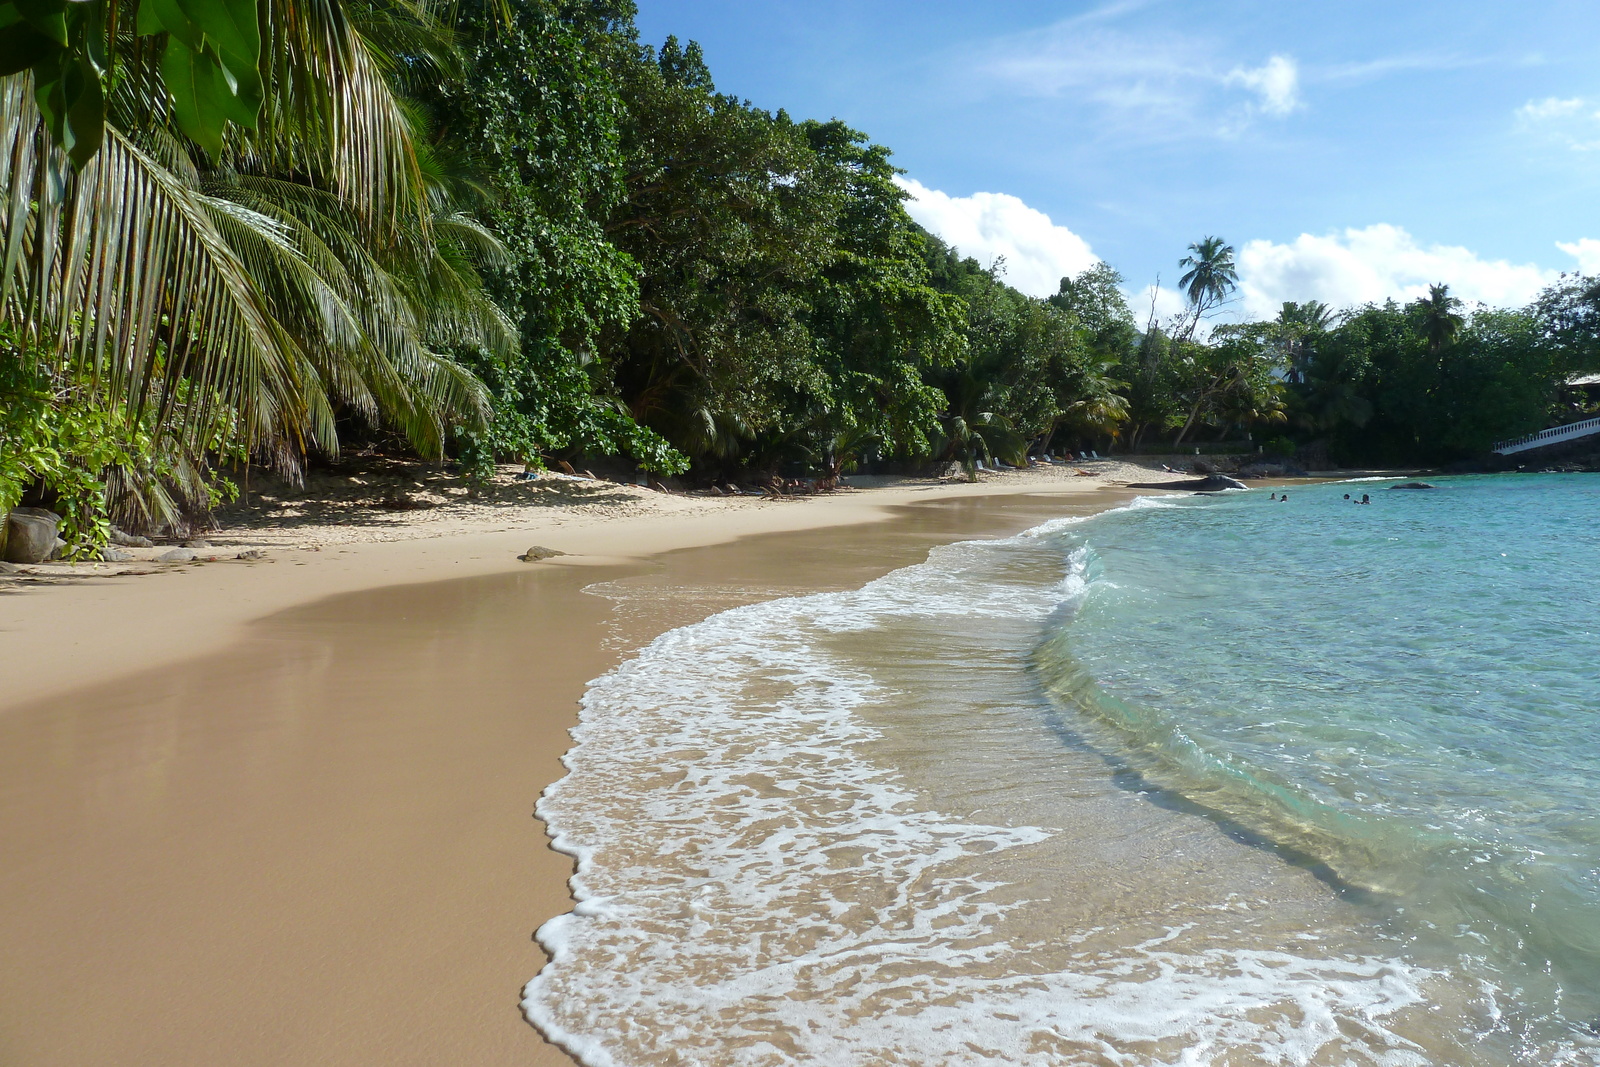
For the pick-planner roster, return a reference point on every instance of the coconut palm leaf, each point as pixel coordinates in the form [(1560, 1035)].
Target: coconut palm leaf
[(119, 272)]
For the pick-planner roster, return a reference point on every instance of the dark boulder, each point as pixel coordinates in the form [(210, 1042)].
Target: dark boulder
[(31, 535), (1213, 483), (1413, 485)]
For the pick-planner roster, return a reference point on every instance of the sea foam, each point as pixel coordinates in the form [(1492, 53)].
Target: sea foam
[(754, 886)]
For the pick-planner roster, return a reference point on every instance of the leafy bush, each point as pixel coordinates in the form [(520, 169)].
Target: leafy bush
[(1280, 446), (91, 458)]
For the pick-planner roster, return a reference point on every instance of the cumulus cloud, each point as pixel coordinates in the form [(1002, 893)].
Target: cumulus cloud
[(1277, 83), (1038, 253), (1586, 250), (1375, 264)]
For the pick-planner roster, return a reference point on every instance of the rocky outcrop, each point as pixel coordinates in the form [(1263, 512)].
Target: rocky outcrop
[(31, 535), (1213, 483), (1413, 485)]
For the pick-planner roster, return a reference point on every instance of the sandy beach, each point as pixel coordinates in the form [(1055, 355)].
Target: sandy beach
[(278, 810)]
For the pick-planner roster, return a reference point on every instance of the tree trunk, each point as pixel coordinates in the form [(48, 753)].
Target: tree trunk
[(1194, 413)]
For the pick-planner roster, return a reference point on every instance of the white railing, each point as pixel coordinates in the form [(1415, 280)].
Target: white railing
[(1554, 435)]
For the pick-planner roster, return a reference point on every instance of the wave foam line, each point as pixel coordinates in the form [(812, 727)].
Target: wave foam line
[(754, 890)]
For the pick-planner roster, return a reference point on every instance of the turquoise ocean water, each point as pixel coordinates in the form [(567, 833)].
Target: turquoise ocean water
[(1199, 781), (1405, 694)]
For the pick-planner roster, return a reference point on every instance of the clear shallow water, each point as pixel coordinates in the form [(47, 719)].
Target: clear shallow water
[(1213, 781), (1407, 692)]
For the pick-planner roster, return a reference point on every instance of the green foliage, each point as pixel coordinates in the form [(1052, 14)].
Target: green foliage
[(1427, 383), (88, 456), (252, 226), (1048, 364), (210, 58), (784, 304)]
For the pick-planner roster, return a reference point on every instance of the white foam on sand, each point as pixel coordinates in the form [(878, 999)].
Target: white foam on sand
[(753, 889)]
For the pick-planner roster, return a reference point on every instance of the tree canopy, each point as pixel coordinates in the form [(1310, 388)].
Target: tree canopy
[(254, 231)]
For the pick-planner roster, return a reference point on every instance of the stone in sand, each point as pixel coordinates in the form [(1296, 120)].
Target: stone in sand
[(122, 537), (177, 555), (538, 552), (113, 554), (31, 535)]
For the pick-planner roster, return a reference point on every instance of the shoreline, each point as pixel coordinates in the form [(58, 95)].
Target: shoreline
[(66, 626), (335, 830)]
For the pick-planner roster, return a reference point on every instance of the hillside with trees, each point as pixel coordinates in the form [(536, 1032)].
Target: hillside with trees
[(253, 232)]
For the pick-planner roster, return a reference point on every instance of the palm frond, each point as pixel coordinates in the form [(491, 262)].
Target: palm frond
[(119, 272)]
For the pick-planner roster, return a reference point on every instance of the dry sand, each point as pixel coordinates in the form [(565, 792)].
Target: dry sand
[(279, 811)]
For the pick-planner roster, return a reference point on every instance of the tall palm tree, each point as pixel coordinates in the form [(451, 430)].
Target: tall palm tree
[(1438, 317), (283, 265), (1210, 277)]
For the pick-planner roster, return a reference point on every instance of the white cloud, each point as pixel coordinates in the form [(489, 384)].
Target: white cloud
[(1277, 83), (1586, 250), (1374, 264), (1549, 108), (1038, 253), (1150, 82), (1572, 120)]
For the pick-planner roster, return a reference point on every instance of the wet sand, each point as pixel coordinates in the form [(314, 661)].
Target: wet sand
[(313, 844)]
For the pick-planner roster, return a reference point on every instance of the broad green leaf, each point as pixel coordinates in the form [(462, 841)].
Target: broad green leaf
[(86, 111), (22, 46), (245, 87), (195, 83), (229, 25), (49, 17), (172, 18), (148, 21)]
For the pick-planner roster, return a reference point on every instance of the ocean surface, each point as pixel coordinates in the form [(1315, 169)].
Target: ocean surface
[(1215, 780)]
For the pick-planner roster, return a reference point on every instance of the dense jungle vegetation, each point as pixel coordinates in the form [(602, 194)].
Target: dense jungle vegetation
[(255, 231)]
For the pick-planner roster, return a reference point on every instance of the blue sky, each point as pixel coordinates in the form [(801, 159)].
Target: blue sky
[(1351, 150)]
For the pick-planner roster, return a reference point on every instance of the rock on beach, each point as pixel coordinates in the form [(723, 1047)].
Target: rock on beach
[(31, 535)]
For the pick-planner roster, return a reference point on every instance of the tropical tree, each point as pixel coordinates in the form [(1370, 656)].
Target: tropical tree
[(971, 429), (1299, 328), (1236, 380), (1438, 317), (273, 244), (1209, 279)]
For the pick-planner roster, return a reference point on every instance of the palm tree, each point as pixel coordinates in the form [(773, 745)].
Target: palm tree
[(302, 258), (1100, 409), (1438, 317), (971, 430), (1209, 278), (1299, 327)]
